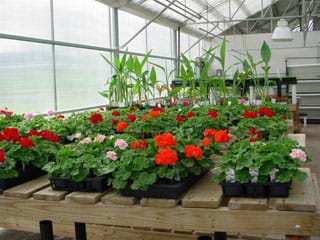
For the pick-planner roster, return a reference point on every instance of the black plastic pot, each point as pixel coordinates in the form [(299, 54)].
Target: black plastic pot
[(90, 184), (28, 173), (279, 189), (163, 190), (256, 190), (232, 189)]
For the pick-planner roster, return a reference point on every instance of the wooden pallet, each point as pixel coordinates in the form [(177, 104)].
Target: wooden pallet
[(201, 211)]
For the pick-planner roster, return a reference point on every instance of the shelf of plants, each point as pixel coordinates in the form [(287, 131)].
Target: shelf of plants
[(156, 152), (160, 151)]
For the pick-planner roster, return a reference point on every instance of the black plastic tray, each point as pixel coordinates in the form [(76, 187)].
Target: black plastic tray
[(163, 190), (92, 184), (256, 190), (26, 174)]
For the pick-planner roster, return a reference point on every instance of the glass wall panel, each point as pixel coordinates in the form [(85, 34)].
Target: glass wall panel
[(82, 21), (128, 26), (81, 74), (159, 40), (26, 76), (25, 17)]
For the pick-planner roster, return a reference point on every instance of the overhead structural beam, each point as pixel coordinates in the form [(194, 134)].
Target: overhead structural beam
[(213, 35), (204, 36), (145, 26), (236, 11), (253, 19)]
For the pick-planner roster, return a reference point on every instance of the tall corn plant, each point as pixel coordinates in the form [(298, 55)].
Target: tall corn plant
[(266, 57), (117, 85), (141, 86)]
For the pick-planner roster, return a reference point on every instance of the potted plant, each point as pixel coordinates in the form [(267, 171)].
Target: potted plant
[(86, 166), (261, 169), (162, 167), (22, 157)]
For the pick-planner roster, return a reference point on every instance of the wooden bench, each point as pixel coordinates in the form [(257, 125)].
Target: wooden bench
[(202, 211)]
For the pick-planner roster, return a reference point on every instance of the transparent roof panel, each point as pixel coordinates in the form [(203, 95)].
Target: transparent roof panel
[(189, 13)]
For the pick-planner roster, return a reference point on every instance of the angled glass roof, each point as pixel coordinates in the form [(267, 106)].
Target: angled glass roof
[(194, 15)]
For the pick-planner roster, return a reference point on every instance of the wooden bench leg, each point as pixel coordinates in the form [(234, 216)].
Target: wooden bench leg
[(80, 229), (46, 230), (220, 236), (293, 237)]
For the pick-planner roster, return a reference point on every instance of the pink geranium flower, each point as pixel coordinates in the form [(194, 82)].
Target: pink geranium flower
[(99, 138), (86, 140), (121, 143), (112, 155), (50, 113), (298, 154), (28, 116)]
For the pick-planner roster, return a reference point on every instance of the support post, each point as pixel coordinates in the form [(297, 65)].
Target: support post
[(178, 50), (46, 230), (80, 229), (115, 30), (220, 236), (294, 93)]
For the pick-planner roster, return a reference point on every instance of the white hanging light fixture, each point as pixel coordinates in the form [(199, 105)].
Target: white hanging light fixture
[(282, 32)]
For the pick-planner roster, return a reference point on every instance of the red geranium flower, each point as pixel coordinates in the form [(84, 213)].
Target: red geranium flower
[(121, 126), (190, 114), (154, 114), (48, 135), (114, 121), (165, 140), (54, 138), (60, 117), (2, 156), (139, 144), (26, 142), (264, 111), (159, 109), (166, 156), (33, 133), (185, 104), (251, 131), (221, 136), (144, 117), (209, 132), (193, 151), (131, 117), (250, 114), (2, 137), (115, 113), (179, 119), (96, 118), (213, 113), (11, 134), (258, 135), (205, 141), (252, 139), (132, 109)]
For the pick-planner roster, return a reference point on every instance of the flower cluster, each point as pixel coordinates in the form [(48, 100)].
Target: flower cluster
[(166, 156), (264, 111), (45, 134), (2, 156), (112, 155), (5, 112), (131, 117), (121, 144), (96, 118), (250, 114), (154, 114), (193, 151), (165, 140), (254, 134), (213, 113), (142, 144), (121, 126), (220, 136), (298, 154)]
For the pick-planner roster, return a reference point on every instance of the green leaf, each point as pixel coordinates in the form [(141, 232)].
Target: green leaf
[(265, 53)]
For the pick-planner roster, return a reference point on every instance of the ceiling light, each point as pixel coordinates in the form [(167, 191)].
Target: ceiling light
[(282, 32)]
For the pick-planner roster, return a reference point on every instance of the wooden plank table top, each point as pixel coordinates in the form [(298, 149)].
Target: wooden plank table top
[(111, 209)]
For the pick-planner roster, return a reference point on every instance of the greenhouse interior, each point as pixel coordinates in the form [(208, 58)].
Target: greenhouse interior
[(159, 119)]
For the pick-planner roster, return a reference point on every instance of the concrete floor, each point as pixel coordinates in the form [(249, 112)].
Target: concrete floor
[(313, 148)]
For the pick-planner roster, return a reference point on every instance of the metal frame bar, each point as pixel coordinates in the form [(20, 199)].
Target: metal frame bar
[(236, 11), (53, 49), (145, 26), (253, 19), (74, 45), (186, 10), (174, 10), (202, 37)]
